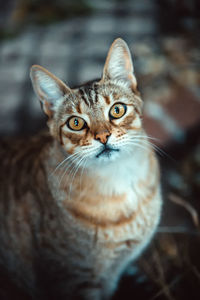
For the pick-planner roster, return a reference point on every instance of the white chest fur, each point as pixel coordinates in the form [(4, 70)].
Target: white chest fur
[(137, 215)]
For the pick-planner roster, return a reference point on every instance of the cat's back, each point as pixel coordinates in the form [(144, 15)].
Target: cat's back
[(22, 190), (23, 179), (21, 156)]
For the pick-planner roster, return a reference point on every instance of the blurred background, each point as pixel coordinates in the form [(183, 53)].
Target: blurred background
[(71, 39)]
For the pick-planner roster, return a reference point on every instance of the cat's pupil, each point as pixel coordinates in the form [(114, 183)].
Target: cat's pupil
[(76, 122), (116, 109)]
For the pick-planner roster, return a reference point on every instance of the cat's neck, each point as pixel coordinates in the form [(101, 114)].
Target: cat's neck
[(111, 178), (118, 176), (105, 194)]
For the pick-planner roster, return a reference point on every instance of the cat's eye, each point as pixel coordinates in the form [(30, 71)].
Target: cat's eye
[(117, 110), (76, 123)]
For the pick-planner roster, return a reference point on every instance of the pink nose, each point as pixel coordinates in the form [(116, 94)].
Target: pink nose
[(102, 136)]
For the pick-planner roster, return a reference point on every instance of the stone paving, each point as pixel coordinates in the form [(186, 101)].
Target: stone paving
[(75, 51)]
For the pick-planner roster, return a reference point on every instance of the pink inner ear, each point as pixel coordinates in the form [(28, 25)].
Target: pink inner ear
[(133, 81), (47, 107)]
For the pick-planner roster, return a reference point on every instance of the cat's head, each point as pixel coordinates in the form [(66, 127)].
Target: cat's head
[(97, 121)]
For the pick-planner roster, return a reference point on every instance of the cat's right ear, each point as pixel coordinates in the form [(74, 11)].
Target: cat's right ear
[(49, 89)]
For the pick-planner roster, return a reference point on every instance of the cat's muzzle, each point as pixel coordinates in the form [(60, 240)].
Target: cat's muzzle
[(107, 151)]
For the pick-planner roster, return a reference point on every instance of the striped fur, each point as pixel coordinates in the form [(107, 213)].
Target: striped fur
[(76, 208)]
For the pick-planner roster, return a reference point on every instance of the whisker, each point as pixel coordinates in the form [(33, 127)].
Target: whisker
[(147, 137), (65, 171), (87, 155), (139, 146), (73, 163), (144, 141), (82, 171), (155, 147), (63, 161), (78, 165)]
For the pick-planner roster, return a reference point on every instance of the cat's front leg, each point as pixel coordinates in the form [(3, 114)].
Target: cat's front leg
[(109, 285), (95, 290), (89, 293), (103, 290)]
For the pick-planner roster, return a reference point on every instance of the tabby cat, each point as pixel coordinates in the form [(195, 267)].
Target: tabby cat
[(78, 205)]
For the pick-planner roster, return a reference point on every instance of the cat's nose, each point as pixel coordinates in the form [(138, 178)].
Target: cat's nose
[(102, 136)]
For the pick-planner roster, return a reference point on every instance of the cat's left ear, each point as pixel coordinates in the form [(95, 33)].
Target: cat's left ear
[(119, 64), (49, 89)]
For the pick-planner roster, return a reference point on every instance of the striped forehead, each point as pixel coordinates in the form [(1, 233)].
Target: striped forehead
[(92, 97), (89, 95)]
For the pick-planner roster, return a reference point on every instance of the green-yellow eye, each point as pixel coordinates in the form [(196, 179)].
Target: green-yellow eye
[(76, 123), (117, 110)]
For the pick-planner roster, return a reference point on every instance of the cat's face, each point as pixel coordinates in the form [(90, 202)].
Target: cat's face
[(96, 122)]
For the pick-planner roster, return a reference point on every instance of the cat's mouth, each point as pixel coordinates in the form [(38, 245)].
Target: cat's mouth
[(107, 151)]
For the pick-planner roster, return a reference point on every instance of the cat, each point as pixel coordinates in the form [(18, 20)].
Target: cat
[(81, 203)]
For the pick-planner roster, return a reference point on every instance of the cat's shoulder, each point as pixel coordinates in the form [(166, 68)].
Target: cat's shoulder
[(14, 149), (13, 142)]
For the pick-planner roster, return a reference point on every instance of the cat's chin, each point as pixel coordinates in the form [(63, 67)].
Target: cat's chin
[(105, 158), (108, 156), (107, 152)]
